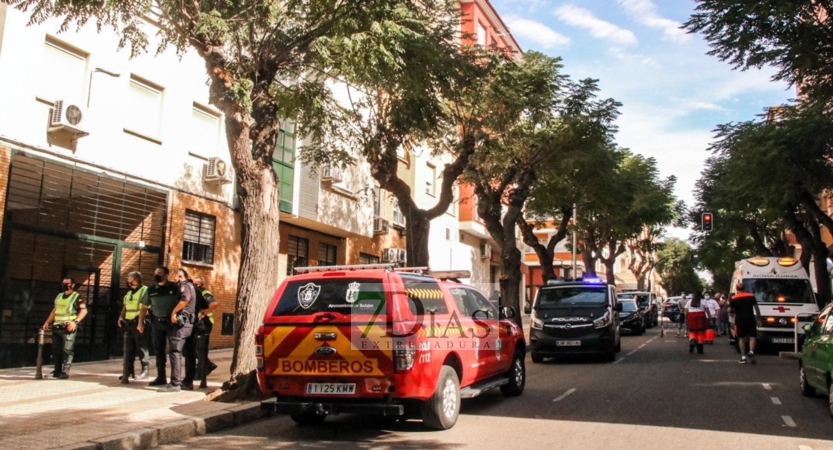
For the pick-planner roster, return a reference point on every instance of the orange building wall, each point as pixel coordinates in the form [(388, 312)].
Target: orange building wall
[(5, 162)]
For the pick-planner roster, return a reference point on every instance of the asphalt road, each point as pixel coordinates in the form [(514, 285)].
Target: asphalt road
[(655, 396)]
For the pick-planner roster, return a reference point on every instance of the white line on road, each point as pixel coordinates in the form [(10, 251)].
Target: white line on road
[(775, 400), (619, 360), (632, 352), (642, 345), (766, 386), (564, 395), (788, 421)]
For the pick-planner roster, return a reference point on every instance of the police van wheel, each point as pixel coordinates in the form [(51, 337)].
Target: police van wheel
[(516, 375), (307, 419), (440, 412)]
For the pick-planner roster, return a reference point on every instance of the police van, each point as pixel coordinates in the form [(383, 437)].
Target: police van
[(784, 294)]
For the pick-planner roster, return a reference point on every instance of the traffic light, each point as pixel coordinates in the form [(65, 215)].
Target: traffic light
[(707, 222)]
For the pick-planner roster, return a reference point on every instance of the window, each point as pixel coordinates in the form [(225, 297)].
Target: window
[(283, 161), (144, 109), (63, 73), (326, 254), (296, 253), (431, 177), (481, 34), (364, 258), (398, 217), (198, 240), (205, 131), (377, 202)]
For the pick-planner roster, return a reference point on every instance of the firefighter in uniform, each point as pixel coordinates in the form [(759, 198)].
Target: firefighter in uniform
[(182, 324), (135, 343), (161, 299), (69, 310), (206, 304)]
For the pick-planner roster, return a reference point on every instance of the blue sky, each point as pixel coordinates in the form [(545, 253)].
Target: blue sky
[(673, 94)]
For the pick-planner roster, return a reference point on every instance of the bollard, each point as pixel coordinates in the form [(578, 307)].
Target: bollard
[(39, 370)]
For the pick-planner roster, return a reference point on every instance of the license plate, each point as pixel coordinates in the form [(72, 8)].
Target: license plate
[(331, 388), (782, 340), (567, 343)]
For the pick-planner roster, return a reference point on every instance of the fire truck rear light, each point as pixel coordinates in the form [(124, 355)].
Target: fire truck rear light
[(404, 356)]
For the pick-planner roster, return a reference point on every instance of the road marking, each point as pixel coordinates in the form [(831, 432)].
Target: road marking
[(619, 360), (632, 352), (775, 400), (804, 447), (766, 386), (788, 421), (564, 395), (642, 345)]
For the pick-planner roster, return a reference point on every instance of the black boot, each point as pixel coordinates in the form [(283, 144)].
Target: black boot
[(700, 348), (691, 344)]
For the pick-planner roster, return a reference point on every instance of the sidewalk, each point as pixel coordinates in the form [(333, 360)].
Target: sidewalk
[(92, 410)]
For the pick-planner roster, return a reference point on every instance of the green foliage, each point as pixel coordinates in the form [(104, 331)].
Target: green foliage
[(791, 35), (677, 268)]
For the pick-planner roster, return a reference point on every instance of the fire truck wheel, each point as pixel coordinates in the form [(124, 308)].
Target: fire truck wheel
[(440, 412), (307, 419), (516, 375)]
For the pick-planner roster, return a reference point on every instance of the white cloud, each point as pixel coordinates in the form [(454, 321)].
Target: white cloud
[(583, 18), (622, 55), (645, 12), (536, 33)]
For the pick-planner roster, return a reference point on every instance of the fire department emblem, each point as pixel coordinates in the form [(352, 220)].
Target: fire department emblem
[(307, 295), (352, 292)]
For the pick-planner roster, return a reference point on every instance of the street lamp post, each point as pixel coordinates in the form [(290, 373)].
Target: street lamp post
[(575, 224)]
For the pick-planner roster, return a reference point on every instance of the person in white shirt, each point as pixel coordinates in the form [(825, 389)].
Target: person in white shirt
[(714, 308), (697, 315)]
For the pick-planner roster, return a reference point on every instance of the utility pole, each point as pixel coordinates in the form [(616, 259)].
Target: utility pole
[(575, 224)]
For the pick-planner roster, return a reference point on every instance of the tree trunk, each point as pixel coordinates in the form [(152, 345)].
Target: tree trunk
[(589, 262), (419, 229), (510, 282)]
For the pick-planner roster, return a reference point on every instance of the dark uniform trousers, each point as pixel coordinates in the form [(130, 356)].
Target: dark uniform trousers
[(135, 344), (161, 329), (63, 348), (196, 353), (176, 340)]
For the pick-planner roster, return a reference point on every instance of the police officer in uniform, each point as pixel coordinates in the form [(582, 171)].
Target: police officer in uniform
[(162, 298), (182, 324), (68, 311), (135, 343), (206, 304)]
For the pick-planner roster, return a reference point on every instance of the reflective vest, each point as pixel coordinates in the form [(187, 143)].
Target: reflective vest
[(205, 294), (131, 302), (66, 309)]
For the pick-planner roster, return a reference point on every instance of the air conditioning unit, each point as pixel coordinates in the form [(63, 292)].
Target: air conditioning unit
[(401, 255), (389, 254), (217, 171), (68, 116), (485, 250), (332, 174), (380, 225)]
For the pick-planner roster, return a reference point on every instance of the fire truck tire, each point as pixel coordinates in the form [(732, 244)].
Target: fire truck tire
[(307, 419), (516, 375), (440, 412)]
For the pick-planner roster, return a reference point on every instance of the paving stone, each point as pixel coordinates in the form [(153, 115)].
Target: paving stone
[(246, 413), (178, 431), (218, 420)]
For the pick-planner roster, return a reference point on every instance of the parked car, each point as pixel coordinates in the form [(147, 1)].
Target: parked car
[(815, 365), (647, 305), (375, 339), (671, 309), (632, 317)]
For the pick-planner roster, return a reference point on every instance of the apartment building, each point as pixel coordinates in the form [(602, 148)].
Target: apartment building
[(107, 165)]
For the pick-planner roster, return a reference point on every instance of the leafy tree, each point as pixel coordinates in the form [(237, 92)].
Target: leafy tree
[(773, 169), (677, 268), (259, 55), (535, 116), (792, 36)]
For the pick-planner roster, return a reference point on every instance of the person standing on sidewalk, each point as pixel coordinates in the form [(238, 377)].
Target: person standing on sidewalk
[(135, 343), (206, 304), (162, 298), (182, 319), (68, 311), (747, 320)]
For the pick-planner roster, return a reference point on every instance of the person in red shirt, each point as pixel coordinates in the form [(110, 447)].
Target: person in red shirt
[(747, 321)]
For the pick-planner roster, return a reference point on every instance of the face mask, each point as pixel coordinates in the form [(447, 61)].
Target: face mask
[(65, 286), (158, 278)]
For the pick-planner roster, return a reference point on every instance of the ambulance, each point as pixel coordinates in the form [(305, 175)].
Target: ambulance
[(381, 340), (784, 294)]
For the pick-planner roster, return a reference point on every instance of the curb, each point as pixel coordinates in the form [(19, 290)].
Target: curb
[(174, 432), (789, 355)]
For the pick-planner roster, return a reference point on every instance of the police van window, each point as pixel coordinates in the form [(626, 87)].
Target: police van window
[(780, 290), (572, 296), (424, 296), (343, 296)]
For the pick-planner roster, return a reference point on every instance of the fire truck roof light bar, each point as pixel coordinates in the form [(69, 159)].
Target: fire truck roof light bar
[(441, 274)]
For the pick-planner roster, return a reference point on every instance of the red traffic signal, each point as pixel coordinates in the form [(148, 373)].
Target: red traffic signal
[(707, 222)]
